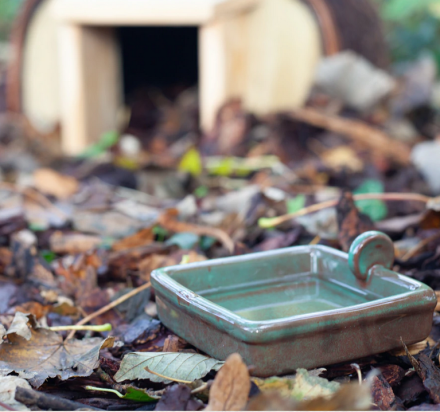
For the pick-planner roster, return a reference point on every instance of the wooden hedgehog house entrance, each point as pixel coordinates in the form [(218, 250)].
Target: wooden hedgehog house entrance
[(95, 51)]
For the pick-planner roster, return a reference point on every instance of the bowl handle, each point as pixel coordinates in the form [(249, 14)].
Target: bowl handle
[(370, 249)]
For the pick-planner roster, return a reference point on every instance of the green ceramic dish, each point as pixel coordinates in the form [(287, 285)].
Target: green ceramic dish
[(299, 307)]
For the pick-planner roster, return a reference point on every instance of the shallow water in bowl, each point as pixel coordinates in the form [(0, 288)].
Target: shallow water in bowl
[(287, 297)]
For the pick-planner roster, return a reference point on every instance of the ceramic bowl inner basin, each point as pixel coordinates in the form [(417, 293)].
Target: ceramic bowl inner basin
[(289, 296), (285, 284)]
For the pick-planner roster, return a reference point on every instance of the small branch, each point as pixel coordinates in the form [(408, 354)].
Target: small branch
[(275, 221), (358, 131), (357, 368), (94, 328), (416, 249), (167, 377), (110, 306), (6, 407), (45, 401)]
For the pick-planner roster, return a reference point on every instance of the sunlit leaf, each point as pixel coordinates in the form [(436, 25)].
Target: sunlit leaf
[(375, 209), (295, 204), (191, 162)]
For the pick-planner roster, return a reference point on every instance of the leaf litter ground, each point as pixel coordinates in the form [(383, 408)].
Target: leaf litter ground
[(79, 239)]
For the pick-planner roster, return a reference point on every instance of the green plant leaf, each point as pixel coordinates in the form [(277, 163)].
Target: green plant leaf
[(133, 394), (376, 209), (207, 242), (48, 255), (397, 10), (295, 204), (107, 140), (180, 366), (191, 162)]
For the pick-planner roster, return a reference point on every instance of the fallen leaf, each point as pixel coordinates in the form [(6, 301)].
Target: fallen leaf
[(36, 308), (8, 385), (302, 386), (171, 344), (134, 394), (141, 238), (342, 157), (178, 398), (295, 204), (231, 386), (430, 375), (350, 397), (191, 162), (37, 353), (185, 240), (351, 222), (53, 183), (73, 243), (374, 208), (168, 221), (383, 395), (181, 366), (392, 373)]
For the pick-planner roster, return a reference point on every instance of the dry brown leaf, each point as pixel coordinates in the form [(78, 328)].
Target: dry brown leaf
[(231, 386), (36, 308), (53, 183), (415, 348), (141, 238), (342, 157), (36, 353), (171, 344), (168, 221), (73, 243), (351, 222)]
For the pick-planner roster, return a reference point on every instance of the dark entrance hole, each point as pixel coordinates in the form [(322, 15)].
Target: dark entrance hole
[(159, 57)]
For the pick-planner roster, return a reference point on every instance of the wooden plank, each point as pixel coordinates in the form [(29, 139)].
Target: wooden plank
[(91, 85), (212, 74), (135, 12), (231, 8), (284, 49)]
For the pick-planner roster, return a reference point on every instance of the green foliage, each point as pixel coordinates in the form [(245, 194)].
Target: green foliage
[(296, 204), (376, 209), (8, 11), (412, 27)]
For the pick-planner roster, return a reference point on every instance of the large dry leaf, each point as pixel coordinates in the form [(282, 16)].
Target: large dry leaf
[(181, 366), (53, 183), (303, 386), (42, 353), (230, 390), (73, 243)]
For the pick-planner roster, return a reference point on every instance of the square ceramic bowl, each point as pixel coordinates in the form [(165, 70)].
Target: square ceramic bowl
[(298, 307)]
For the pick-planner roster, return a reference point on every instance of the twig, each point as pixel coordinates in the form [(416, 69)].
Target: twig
[(358, 131), (6, 407), (412, 252), (94, 328), (167, 377), (111, 305), (358, 371), (168, 222), (46, 401), (275, 221)]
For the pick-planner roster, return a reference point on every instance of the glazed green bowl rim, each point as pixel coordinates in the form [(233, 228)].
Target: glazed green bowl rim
[(296, 325)]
